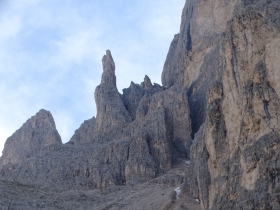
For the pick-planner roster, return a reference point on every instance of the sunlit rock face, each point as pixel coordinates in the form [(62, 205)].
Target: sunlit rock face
[(235, 155), (193, 59)]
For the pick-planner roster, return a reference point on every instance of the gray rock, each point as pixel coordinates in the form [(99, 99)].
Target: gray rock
[(140, 166), (198, 177), (85, 133), (235, 154), (220, 86), (118, 147), (36, 133), (131, 97), (112, 115)]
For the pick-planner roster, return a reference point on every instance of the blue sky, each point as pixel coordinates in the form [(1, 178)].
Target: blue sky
[(51, 51)]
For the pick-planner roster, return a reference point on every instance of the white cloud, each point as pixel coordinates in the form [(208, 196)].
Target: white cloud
[(9, 27), (75, 48), (4, 134), (65, 124)]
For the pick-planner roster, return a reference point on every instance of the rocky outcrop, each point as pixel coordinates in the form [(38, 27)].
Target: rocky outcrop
[(164, 119), (85, 133), (132, 97), (198, 177), (38, 132), (140, 165)]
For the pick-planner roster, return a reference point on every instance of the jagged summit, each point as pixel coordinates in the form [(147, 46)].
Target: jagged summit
[(37, 132), (147, 83), (85, 133), (135, 137), (44, 115)]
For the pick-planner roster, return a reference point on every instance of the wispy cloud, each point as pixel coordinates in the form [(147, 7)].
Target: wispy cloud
[(51, 50)]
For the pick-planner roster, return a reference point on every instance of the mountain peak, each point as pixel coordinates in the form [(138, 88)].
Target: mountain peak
[(34, 134), (108, 75)]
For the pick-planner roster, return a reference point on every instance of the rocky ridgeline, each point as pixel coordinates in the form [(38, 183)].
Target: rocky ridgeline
[(134, 138), (220, 87)]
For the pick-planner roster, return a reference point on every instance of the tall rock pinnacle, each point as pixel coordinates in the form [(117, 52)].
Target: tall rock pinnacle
[(108, 76), (112, 115)]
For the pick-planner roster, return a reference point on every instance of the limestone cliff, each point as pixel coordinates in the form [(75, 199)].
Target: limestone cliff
[(235, 155)]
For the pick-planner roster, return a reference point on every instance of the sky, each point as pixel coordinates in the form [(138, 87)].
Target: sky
[(51, 51)]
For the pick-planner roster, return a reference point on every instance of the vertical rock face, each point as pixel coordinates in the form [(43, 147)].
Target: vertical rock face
[(193, 59), (235, 154), (198, 177), (174, 100), (39, 131)]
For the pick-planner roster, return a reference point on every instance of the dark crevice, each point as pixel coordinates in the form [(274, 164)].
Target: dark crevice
[(127, 157), (197, 106), (234, 58), (189, 38)]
